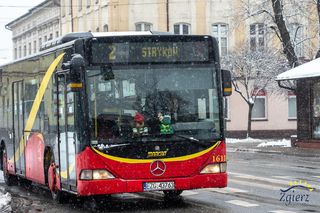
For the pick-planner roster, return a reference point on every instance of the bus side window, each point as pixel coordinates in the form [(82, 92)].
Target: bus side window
[(31, 88)]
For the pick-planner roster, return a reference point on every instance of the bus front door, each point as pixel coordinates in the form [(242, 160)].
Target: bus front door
[(18, 125), (67, 135)]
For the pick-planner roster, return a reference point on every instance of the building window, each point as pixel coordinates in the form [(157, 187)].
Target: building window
[(20, 52), (182, 29), (88, 3), (15, 53), (143, 26), (316, 110), (79, 5), (226, 111), (220, 32), (259, 110), (57, 34), (292, 106), (105, 28), (97, 1), (24, 50), (257, 36), (296, 36), (34, 46), (29, 48), (40, 42), (70, 7), (63, 9)]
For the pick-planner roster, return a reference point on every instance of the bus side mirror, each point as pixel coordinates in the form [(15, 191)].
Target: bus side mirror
[(77, 65), (226, 83)]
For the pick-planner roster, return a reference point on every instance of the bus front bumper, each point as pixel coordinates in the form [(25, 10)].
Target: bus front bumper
[(115, 186)]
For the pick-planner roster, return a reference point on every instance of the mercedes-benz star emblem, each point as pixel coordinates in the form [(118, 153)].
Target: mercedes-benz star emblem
[(157, 168)]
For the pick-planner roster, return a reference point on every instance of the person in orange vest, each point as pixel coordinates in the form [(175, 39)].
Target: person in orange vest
[(139, 127)]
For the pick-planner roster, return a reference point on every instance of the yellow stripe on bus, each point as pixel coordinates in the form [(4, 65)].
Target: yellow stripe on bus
[(182, 158), (36, 105), (64, 174)]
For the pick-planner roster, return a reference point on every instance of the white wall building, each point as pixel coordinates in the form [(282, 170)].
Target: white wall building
[(31, 30)]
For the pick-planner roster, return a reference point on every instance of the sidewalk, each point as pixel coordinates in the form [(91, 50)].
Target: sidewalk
[(251, 147)]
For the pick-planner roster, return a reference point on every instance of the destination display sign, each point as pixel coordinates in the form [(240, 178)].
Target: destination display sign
[(149, 52)]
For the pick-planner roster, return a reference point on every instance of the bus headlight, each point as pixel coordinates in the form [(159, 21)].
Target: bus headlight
[(99, 174), (214, 168)]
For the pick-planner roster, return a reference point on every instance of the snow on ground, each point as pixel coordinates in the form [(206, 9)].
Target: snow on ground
[(245, 140), (5, 198), (262, 142), (283, 143)]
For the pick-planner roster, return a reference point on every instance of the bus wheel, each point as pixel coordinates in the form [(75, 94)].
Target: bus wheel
[(56, 193), (172, 194), (8, 178), (27, 184)]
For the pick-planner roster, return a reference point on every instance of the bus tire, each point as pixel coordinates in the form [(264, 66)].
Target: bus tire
[(25, 183), (57, 195), (9, 179), (172, 195)]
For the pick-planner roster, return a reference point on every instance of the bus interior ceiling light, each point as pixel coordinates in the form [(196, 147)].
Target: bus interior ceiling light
[(99, 174)]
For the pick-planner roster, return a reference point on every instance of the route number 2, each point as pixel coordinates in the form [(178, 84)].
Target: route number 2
[(112, 54)]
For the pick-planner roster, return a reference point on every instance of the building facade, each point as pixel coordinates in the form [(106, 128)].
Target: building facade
[(234, 23), (31, 30)]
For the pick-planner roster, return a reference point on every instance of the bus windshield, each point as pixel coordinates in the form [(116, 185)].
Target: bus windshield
[(171, 102)]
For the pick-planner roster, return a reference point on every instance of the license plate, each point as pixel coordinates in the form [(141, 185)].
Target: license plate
[(154, 186)]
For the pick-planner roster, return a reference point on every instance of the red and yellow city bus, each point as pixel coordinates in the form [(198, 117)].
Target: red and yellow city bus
[(105, 113)]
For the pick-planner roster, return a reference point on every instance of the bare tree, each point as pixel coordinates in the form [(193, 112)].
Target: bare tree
[(284, 35), (279, 15), (253, 72), (318, 10)]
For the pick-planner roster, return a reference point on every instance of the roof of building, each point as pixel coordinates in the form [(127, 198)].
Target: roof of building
[(308, 70), (29, 13)]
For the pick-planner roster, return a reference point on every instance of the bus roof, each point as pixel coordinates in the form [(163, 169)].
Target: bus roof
[(132, 33), (73, 36), (68, 40)]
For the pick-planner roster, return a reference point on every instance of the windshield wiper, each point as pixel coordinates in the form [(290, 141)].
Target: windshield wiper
[(109, 146), (191, 139), (188, 138)]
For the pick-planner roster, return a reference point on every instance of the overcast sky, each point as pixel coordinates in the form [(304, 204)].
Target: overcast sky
[(10, 10)]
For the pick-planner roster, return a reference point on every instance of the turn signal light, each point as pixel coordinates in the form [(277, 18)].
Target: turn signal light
[(99, 174), (214, 168)]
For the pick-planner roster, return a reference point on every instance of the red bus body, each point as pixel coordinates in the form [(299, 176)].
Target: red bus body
[(55, 156), (131, 176)]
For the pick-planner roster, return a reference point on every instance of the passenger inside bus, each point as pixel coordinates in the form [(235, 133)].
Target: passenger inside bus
[(107, 126)]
